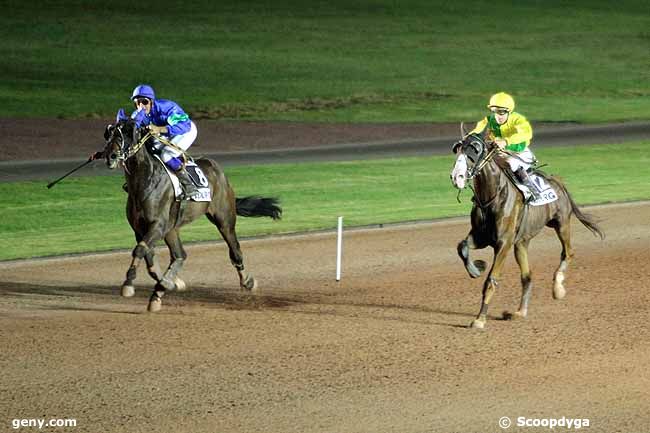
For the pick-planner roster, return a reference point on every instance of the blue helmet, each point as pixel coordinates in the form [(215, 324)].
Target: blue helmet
[(145, 91)]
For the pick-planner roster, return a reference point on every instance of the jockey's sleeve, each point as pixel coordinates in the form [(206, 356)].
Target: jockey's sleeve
[(522, 136), (178, 122), (140, 118), (169, 113), (480, 126)]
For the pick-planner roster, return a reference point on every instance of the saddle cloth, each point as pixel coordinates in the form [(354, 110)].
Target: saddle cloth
[(546, 192), (197, 176)]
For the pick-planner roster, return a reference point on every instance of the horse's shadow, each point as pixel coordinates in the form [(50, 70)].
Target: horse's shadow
[(223, 298)]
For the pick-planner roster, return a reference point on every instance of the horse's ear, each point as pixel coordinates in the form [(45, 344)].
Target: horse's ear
[(121, 115), (107, 132), (463, 133)]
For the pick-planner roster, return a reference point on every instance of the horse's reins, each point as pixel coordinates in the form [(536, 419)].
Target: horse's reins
[(477, 168), (134, 149)]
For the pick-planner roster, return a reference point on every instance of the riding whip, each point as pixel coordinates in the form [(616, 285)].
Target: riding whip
[(51, 184)]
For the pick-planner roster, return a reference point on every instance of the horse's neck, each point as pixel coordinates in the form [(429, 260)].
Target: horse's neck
[(141, 168), (489, 183)]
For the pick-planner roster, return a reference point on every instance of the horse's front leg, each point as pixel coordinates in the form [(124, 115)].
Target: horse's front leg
[(474, 267), (140, 252), (152, 265), (491, 283), (170, 279), (145, 250)]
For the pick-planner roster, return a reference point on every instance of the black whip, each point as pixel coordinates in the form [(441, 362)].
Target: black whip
[(51, 184)]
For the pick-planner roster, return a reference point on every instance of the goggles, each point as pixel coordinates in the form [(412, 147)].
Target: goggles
[(499, 111), (143, 101)]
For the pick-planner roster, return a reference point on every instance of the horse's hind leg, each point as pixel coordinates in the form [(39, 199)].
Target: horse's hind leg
[(226, 227), (521, 255), (564, 234), (474, 267)]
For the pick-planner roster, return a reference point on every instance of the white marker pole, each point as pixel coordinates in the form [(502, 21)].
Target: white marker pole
[(339, 249)]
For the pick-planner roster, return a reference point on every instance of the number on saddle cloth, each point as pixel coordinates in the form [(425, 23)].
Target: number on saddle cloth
[(197, 175)]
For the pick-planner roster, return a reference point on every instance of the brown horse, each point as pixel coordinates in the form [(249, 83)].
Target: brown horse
[(501, 219), (154, 213)]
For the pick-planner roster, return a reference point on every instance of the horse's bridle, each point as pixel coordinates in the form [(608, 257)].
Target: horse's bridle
[(482, 160), (476, 168), (477, 145), (122, 153)]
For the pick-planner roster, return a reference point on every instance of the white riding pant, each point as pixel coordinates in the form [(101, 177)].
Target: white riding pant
[(182, 141), (523, 159)]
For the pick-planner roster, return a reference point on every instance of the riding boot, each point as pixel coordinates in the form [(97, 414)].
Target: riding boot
[(189, 189), (523, 177)]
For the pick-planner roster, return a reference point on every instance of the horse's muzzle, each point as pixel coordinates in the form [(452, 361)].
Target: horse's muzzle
[(112, 160), (458, 181)]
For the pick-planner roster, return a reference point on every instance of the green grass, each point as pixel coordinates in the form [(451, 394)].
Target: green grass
[(335, 60), (87, 214)]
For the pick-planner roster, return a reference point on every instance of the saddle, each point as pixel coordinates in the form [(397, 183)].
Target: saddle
[(194, 172), (197, 177), (538, 179)]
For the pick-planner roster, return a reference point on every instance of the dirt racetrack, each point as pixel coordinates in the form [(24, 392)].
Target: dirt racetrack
[(384, 350)]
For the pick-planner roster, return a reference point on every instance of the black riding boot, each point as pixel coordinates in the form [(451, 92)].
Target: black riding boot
[(189, 189), (523, 177)]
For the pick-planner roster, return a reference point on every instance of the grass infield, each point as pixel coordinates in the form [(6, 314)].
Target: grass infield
[(332, 61), (88, 214)]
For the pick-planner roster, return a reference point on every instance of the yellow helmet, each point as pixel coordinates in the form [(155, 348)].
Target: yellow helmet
[(502, 100)]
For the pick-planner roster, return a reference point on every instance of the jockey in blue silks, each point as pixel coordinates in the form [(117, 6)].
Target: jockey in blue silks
[(167, 119)]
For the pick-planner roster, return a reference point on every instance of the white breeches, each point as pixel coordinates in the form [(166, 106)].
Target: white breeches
[(183, 141), (523, 159)]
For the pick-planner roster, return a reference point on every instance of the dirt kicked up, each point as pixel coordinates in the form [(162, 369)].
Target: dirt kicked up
[(384, 350)]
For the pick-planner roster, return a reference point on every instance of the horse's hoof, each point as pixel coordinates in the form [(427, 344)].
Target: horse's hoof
[(477, 324), (517, 315), (249, 284), (167, 284), (127, 291), (481, 265), (476, 268), (155, 304), (558, 288), (180, 284), (473, 272)]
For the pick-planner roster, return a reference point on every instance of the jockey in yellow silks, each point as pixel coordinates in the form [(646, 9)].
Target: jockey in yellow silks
[(510, 131)]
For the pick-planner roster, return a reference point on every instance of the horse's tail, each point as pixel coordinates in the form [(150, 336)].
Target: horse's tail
[(256, 206), (587, 220)]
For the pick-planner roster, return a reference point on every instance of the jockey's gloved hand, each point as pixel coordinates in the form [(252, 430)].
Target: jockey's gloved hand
[(157, 130), (96, 155)]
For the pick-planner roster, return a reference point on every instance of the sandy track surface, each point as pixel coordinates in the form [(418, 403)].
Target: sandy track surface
[(384, 350)]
